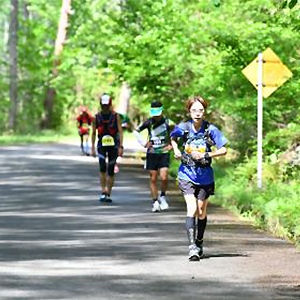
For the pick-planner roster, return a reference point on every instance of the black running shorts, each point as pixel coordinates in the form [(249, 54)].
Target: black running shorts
[(112, 153), (201, 192), (155, 161)]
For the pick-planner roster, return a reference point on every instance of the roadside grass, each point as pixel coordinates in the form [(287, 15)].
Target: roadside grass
[(274, 208), (68, 134), (44, 136)]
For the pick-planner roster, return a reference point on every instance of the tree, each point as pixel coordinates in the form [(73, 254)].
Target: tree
[(13, 64), (60, 40)]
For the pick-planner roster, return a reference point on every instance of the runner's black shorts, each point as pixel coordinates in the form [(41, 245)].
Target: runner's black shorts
[(201, 192), (112, 154), (155, 161)]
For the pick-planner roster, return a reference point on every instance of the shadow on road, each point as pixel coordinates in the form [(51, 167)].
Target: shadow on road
[(59, 242)]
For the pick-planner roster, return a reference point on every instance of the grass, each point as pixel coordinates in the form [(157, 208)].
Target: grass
[(274, 208), (45, 136)]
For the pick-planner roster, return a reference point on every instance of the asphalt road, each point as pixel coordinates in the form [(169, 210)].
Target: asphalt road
[(59, 242)]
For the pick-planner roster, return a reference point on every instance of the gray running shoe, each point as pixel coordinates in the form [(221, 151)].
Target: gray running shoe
[(194, 253)]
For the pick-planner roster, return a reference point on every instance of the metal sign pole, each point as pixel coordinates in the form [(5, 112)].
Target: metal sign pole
[(259, 118)]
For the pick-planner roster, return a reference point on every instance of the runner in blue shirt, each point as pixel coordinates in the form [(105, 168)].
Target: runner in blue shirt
[(195, 175)]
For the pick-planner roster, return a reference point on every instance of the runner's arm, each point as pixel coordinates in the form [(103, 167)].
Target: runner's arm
[(139, 137), (169, 146), (177, 152), (120, 129), (94, 137)]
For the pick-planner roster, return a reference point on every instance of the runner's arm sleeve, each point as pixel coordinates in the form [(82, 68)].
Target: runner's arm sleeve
[(217, 136), (137, 131), (144, 126), (178, 131)]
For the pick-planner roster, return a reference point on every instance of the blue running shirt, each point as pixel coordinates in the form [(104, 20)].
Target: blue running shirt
[(198, 175)]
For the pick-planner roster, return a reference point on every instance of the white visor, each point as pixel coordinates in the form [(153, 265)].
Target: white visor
[(105, 99)]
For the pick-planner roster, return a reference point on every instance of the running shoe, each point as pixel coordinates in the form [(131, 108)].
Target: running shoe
[(163, 203), (155, 206), (103, 198), (194, 253), (199, 244), (108, 199)]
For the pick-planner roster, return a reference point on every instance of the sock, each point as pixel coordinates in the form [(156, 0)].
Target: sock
[(201, 228), (163, 193), (154, 200), (190, 229)]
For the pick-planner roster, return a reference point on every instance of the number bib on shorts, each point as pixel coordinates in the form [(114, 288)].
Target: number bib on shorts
[(108, 141)]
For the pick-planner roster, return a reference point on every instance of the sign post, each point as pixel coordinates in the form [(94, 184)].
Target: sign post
[(259, 118), (266, 73)]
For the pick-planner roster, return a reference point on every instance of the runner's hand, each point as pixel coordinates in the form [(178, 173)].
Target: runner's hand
[(177, 154), (168, 148), (120, 151), (93, 153), (148, 145), (197, 155)]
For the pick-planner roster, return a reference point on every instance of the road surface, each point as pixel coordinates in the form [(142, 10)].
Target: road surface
[(59, 242)]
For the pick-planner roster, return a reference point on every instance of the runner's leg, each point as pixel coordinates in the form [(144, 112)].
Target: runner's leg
[(81, 142), (164, 179), (153, 184), (201, 225), (102, 164), (110, 183), (110, 179)]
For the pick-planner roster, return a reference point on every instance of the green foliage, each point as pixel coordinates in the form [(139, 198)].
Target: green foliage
[(279, 140), (167, 51), (275, 208)]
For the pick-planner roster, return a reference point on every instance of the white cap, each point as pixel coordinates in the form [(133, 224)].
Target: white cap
[(105, 99)]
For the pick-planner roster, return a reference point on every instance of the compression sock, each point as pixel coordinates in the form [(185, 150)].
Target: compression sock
[(190, 229), (201, 228)]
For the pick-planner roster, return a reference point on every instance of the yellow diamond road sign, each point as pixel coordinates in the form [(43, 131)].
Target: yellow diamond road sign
[(275, 73)]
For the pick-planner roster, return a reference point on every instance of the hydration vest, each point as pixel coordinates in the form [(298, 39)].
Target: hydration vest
[(204, 141), (84, 120), (107, 127)]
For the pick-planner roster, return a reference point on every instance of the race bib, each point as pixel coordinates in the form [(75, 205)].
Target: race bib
[(85, 126), (189, 148), (157, 142), (107, 141)]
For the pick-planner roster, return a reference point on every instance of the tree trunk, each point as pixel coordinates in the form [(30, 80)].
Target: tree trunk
[(124, 99), (60, 40), (13, 64)]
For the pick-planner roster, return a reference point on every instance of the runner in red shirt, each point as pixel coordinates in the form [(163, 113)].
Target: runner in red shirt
[(84, 122)]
